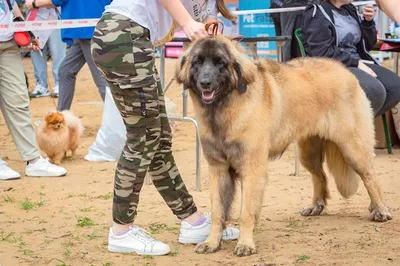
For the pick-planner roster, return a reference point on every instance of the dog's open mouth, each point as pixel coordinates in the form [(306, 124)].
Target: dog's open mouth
[(207, 96)]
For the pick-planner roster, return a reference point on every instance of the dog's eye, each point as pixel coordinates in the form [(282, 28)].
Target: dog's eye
[(198, 61), (218, 61)]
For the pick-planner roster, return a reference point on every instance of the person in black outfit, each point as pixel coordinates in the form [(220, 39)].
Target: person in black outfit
[(334, 29)]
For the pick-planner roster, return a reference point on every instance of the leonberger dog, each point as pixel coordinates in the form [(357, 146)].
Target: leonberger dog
[(250, 111)]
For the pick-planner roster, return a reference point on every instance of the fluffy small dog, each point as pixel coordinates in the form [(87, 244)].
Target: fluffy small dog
[(58, 133)]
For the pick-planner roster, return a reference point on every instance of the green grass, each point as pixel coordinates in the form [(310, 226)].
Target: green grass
[(93, 235), (67, 252), (87, 209), (27, 252), (7, 237), (70, 195), (148, 257), (61, 263), (84, 222), (40, 203), (173, 253), (27, 205), (295, 223), (303, 257), (157, 228), (68, 243), (108, 196), (8, 199)]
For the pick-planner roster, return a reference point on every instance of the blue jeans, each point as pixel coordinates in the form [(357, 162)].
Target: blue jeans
[(57, 50)]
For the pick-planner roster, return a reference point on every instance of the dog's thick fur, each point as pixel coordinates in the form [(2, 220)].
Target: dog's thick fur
[(59, 133), (250, 111)]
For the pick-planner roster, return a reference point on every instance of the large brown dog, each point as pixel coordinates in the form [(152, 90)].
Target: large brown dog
[(249, 112)]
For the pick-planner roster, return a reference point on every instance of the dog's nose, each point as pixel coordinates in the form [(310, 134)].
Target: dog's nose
[(205, 83)]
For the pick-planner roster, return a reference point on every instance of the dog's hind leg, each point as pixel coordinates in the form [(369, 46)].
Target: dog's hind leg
[(312, 158), (222, 190), (254, 178), (359, 156)]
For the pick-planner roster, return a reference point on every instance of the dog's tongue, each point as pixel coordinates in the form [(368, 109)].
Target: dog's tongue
[(208, 95)]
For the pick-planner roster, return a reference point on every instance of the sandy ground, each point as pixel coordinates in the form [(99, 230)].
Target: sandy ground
[(65, 221)]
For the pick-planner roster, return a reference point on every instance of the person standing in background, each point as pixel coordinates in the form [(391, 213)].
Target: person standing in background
[(79, 39), (57, 49), (14, 103)]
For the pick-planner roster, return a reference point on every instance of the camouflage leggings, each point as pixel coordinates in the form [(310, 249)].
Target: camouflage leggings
[(123, 52)]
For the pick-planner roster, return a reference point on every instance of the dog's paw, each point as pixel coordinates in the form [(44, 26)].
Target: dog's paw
[(242, 250), (207, 247), (380, 214), (314, 210)]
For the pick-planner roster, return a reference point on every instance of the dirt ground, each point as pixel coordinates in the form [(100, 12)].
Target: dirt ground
[(65, 221)]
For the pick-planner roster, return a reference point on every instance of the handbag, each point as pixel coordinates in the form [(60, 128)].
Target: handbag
[(21, 38)]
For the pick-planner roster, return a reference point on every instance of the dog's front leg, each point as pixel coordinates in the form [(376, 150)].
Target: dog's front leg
[(219, 184), (254, 179)]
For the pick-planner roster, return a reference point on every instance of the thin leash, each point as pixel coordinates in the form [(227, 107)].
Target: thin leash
[(212, 29)]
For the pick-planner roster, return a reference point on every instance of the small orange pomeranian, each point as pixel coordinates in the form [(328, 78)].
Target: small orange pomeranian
[(59, 133)]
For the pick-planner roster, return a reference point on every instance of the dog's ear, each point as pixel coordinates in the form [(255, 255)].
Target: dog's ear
[(241, 84), (180, 71)]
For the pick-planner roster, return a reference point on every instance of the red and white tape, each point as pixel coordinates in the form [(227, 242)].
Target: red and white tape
[(47, 25), (80, 23)]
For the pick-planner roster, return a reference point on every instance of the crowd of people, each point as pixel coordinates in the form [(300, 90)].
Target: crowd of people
[(120, 55)]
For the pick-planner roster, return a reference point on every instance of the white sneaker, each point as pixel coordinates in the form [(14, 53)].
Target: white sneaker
[(6, 173), (43, 167), (136, 240), (190, 234), (39, 91), (55, 92)]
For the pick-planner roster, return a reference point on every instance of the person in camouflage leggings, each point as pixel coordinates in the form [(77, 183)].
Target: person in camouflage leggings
[(137, 92), (123, 50)]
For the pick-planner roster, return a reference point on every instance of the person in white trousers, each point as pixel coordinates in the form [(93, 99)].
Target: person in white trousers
[(14, 104)]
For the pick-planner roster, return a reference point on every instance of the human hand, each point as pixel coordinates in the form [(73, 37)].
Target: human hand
[(365, 68), (35, 45), (29, 4), (195, 30), (369, 12)]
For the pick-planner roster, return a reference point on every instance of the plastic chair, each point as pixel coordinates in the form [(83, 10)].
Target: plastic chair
[(299, 38)]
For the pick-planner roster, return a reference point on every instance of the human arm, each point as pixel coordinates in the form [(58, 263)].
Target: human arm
[(319, 38), (368, 28), (391, 8), (192, 28), (44, 3), (17, 12)]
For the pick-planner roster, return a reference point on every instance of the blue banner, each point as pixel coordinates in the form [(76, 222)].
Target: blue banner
[(258, 25)]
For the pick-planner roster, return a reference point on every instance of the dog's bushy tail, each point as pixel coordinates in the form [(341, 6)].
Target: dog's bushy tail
[(73, 122), (345, 177)]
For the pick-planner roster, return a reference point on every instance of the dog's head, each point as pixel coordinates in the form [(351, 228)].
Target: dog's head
[(213, 67), (55, 121)]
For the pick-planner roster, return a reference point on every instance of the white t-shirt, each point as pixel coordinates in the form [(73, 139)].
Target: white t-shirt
[(6, 17), (153, 16)]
